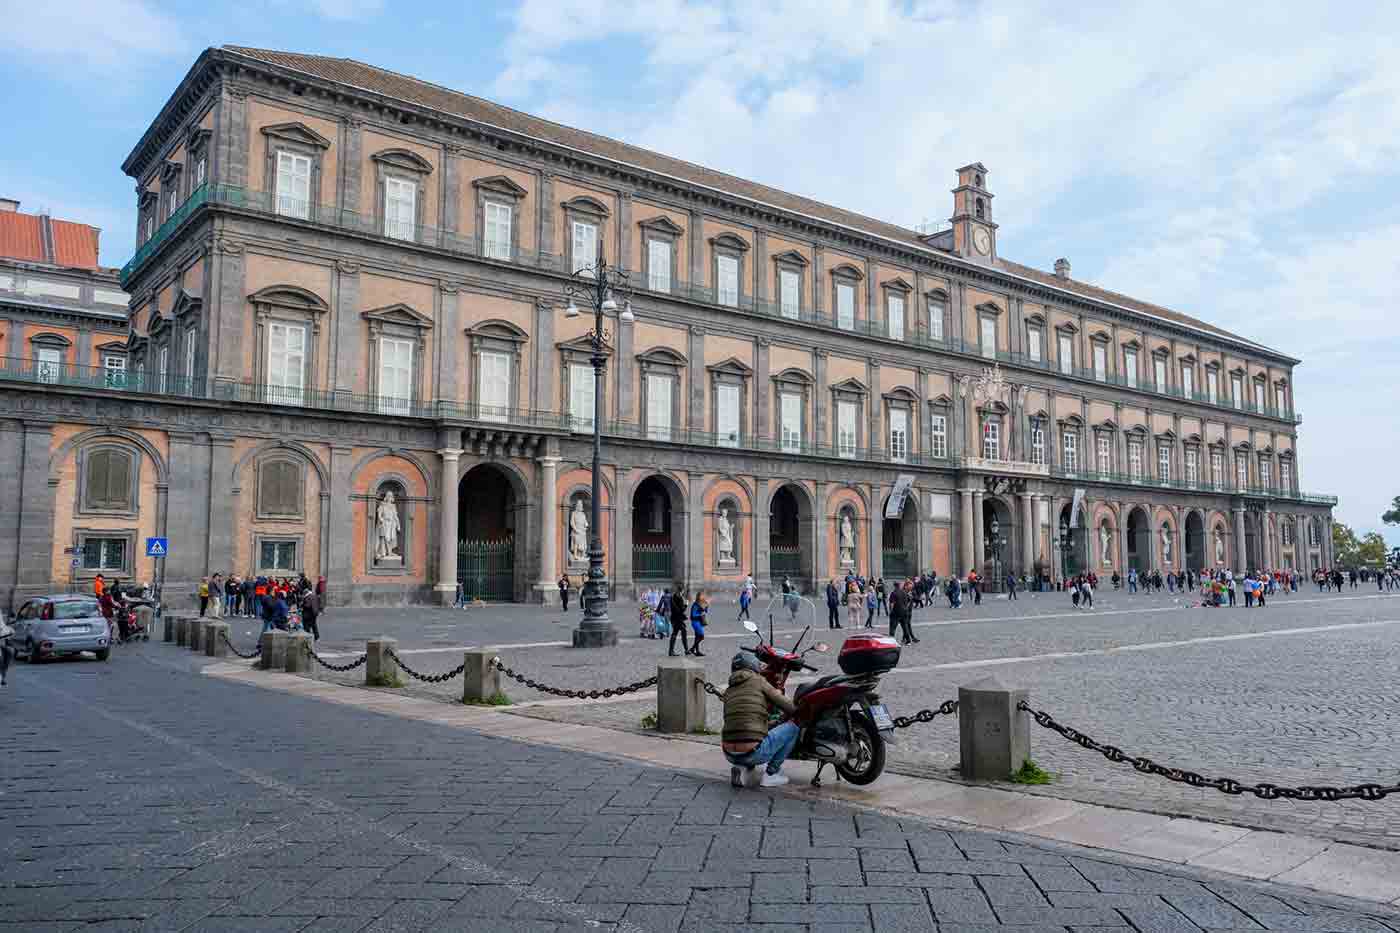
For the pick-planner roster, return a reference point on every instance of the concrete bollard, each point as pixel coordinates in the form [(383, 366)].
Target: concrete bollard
[(380, 669), (146, 617), (197, 626), (169, 620), (298, 660), (182, 631), (680, 695), (480, 679), (275, 647), (994, 737), (216, 643)]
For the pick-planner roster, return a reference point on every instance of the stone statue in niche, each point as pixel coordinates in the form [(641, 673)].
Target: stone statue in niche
[(847, 540), (578, 533), (1219, 546), (725, 530), (387, 527), (1166, 546), (1106, 545)]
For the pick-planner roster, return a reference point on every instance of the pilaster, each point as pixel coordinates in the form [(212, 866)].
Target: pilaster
[(695, 420), (338, 507), (696, 567), (351, 168), (451, 201), (229, 265), (188, 527), (346, 328), (695, 239), (446, 587), (544, 228), (448, 339), (221, 521), (822, 390), (625, 378), (762, 389)]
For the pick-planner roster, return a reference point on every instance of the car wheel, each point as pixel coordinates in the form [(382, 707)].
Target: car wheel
[(104, 653)]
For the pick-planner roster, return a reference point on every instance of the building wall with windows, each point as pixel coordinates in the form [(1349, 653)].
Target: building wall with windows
[(365, 293)]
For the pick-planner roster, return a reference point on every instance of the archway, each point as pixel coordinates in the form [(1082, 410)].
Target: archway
[(1139, 556), (789, 537), (1195, 542), (490, 507), (998, 542), (1253, 542), (899, 542), (657, 531), (1073, 542)]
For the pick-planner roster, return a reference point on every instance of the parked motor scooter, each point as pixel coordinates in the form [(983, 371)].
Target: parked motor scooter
[(842, 721)]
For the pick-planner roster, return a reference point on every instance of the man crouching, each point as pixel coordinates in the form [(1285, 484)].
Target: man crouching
[(748, 742)]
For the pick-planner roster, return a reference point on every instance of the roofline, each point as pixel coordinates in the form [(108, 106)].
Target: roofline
[(128, 164), (259, 64)]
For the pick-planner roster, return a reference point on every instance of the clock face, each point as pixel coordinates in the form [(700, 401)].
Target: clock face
[(982, 241)]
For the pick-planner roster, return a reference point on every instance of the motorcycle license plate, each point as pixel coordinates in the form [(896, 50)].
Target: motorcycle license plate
[(882, 717)]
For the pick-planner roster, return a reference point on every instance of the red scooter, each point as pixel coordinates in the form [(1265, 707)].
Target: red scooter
[(842, 721)]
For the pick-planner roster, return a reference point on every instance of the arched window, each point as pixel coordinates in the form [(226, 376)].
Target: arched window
[(980, 209), (280, 489), (108, 474)]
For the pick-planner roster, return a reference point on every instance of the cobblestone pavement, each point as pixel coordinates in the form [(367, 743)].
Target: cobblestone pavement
[(1224, 692), (136, 795)]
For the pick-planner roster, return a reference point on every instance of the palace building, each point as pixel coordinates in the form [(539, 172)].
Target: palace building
[(347, 355)]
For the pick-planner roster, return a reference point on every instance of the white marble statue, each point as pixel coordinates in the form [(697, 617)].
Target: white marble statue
[(386, 529), (1219, 546), (725, 530), (1106, 545), (847, 541), (1166, 545), (578, 533)]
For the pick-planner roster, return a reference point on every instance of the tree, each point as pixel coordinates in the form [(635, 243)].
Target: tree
[(1372, 550), (1345, 546), (1392, 515)]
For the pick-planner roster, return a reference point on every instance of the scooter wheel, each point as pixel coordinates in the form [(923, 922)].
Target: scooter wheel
[(868, 752)]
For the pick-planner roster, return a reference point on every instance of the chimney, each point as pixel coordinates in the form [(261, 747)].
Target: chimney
[(8, 206), (1062, 268)]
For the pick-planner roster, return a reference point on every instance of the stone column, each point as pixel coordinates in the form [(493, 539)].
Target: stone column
[(875, 532), (620, 566), (1266, 541), (1028, 533), (696, 530), (446, 587), (965, 542), (549, 528), (761, 566), (1123, 539), (1241, 558), (821, 534), (979, 539)]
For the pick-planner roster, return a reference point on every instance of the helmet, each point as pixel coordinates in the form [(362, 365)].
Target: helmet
[(743, 661)]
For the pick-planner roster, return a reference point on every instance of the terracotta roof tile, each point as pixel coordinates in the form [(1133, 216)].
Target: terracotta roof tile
[(21, 237), (74, 244), (444, 100)]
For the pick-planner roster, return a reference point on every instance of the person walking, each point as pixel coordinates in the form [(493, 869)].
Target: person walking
[(1086, 594), (901, 609), (679, 622), (974, 583), (871, 602), (203, 593), (745, 598), (564, 593), (699, 610), (1011, 586), (833, 603), (882, 606), (310, 612)]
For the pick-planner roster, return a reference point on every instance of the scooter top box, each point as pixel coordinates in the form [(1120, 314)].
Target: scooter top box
[(868, 654)]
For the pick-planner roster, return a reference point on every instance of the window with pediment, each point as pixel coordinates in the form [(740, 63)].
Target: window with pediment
[(729, 399), (789, 283), (585, 222), (397, 340), (727, 254), (402, 177), (660, 252), (845, 295), (293, 155), (498, 216)]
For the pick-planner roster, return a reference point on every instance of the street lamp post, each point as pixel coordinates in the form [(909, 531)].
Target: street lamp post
[(1064, 544), (598, 286)]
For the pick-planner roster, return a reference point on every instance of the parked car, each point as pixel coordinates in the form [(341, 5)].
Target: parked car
[(58, 625)]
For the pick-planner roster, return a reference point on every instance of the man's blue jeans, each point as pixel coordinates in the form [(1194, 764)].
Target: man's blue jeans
[(773, 750)]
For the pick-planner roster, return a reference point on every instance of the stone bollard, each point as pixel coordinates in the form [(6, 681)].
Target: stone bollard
[(216, 642), (298, 659), (146, 618), (197, 627), (380, 669), (480, 679), (994, 737), (182, 631), (274, 649), (680, 695), (169, 620)]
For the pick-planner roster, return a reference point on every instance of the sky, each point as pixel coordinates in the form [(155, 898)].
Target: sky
[(1239, 162)]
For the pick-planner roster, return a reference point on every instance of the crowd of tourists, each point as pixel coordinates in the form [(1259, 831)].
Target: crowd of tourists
[(278, 602), (1387, 580)]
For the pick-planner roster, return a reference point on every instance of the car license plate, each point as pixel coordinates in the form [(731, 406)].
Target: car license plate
[(883, 721), (72, 629)]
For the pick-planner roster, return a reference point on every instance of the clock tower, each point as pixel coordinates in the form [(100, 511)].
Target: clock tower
[(974, 234)]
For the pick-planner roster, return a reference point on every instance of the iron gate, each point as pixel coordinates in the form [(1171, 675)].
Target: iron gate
[(486, 570), (651, 562)]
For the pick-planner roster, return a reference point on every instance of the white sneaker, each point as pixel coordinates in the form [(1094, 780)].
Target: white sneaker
[(773, 780)]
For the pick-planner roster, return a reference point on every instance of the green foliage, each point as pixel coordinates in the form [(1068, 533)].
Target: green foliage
[(649, 721), (1031, 773), (1391, 516), (1351, 551), (496, 699), (703, 730), (383, 680)]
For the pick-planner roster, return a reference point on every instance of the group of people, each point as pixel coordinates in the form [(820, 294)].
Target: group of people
[(1386, 580), (279, 602), (672, 612)]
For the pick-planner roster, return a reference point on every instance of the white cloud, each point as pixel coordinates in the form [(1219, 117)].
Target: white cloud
[(91, 33)]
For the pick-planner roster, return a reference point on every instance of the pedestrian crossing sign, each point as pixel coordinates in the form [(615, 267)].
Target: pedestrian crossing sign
[(157, 547)]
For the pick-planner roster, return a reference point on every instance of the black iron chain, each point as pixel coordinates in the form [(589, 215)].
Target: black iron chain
[(574, 694), (1264, 791), (338, 668), (713, 691), (946, 708), (234, 648), (426, 678)]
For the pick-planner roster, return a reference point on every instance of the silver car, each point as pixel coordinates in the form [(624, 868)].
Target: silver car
[(54, 626)]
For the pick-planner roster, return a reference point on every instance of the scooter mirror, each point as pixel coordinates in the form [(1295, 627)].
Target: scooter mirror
[(821, 647), (749, 626)]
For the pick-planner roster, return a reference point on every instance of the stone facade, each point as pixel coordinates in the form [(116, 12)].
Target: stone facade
[(365, 291)]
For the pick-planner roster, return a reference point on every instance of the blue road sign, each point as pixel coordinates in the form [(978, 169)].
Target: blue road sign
[(157, 547)]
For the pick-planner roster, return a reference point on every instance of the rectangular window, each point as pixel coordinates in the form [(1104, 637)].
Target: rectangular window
[(727, 420), (789, 292), (727, 267), (1237, 391), (939, 436), (582, 387), (659, 265), (141, 375), (151, 226), (493, 386), (1104, 453), (790, 404), (1188, 381), (286, 363), (1285, 476), (498, 237), (846, 428), (1259, 396), (1033, 348), (991, 439), (935, 320), (48, 364), (989, 337), (114, 371), (899, 435), (1164, 463), (1193, 475), (1130, 372), (1135, 459), (104, 555), (1071, 447), (189, 358), (846, 307), (395, 375), (171, 200), (1280, 399), (895, 314), (585, 246), (293, 185), (1266, 473), (163, 369), (277, 555), (1037, 445), (1159, 374), (400, 208), (1241, 472), (1217, 468), (1100, 362), (1066, 354), (659, 407), (1212, 387)]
